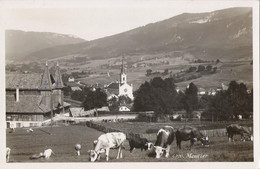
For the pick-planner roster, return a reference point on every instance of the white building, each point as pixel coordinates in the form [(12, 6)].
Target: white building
[(124, 87), (121, 88)]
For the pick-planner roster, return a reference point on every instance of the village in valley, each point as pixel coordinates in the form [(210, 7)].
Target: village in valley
[(75, 99)]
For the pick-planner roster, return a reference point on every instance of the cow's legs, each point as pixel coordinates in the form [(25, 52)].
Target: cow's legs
[(179, 144), (121, 153), (167, 151), (107, 154), (131, 149), (118, 153), (191, 142)]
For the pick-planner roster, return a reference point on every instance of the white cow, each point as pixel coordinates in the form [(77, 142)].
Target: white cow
[(8, 151), (47, 153), (107, 141)]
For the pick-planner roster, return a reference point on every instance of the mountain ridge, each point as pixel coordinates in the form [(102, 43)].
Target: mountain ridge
[(222, 34)]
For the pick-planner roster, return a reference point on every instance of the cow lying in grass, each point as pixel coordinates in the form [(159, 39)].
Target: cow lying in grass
[(105, 142)]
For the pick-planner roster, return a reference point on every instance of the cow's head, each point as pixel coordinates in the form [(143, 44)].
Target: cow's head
[(249, 138), (93, 155), (205, 141), (159, 151), (148, 146)]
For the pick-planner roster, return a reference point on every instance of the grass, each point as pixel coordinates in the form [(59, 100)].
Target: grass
[(142, 127), (63, 139)]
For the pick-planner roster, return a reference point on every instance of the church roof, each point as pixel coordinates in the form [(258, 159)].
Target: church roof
[(34, 81), (114, 85)]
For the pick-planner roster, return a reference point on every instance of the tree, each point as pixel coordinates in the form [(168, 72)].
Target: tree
[(214, 69), (124, 99), (166, 71), (191, 99), (157, 95), (78, 95), (67, 91), (201, 68), (209, 68), (219, 107), (113, 104), (148, 72), (192, 69), (94, 99), (238, 98)]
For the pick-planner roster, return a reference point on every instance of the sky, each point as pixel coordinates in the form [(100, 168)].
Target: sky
[(96, 20)]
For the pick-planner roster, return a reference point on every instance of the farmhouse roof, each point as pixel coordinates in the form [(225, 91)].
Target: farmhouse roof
[(24, 81), (29, 104), (26, 104)]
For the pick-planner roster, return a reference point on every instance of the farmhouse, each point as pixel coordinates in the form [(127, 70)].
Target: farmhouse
[(33, 98)]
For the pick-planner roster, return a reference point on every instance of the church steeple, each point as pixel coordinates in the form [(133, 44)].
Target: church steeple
[(57, 77), (122, 66), (122, 74), (46, 80)]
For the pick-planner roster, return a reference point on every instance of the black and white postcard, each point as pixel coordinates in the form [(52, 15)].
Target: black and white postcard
[(130, 84)]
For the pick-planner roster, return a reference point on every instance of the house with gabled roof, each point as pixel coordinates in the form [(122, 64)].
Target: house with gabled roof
[(32, 98)]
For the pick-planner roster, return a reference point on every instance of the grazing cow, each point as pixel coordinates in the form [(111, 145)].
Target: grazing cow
[(8, 151), (192, 134), (106, 142), (234, 129), (165, 137), (141, 143), (47, 153)]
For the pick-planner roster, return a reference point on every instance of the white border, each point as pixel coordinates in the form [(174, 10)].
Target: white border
[(119, 4)]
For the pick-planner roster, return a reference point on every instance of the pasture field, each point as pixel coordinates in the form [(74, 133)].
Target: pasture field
[(141, 127), (63, 139)]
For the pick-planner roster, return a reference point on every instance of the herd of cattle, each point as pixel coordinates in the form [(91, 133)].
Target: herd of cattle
[(161, 147), (165, 137)]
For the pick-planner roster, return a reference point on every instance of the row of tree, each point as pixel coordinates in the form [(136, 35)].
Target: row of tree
[(160, 96)]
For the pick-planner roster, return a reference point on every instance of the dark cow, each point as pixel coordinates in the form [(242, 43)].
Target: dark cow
[(165, 137), (141, 143), (192, 134), (234, 129)]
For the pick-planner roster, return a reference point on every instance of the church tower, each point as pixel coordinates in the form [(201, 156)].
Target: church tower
[(123, 74), (124, 88)]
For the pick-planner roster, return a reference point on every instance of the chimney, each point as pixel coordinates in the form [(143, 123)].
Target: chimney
[(17, 93)]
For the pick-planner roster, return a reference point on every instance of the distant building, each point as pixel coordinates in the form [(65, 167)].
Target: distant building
[(33, 98), (124, 107), (71, 79), (121, 88), (201, 91)]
